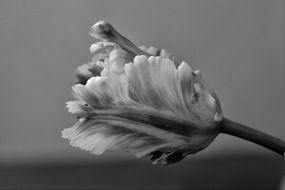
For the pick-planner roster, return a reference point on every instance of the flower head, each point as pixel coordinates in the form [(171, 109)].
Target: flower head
[(139, 100)]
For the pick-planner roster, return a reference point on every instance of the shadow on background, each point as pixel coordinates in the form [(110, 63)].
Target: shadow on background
[(223, 172)]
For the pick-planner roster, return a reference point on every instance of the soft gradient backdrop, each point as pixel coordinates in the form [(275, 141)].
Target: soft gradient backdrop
[(237, 45)]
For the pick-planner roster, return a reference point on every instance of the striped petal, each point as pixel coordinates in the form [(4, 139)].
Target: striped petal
[(137, 100), (146, 108)]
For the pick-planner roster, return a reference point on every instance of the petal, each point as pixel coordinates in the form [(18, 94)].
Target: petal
[(102, 134), (117, 59), (184, 73), (152, 50), (157, 52), (103, 46), (83, 73), (78, 108), (147, 107), (137, 100)]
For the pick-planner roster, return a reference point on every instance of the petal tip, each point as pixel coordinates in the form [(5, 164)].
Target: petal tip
[(99, 24)]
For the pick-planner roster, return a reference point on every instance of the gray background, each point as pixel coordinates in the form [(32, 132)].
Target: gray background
[(237, 45)]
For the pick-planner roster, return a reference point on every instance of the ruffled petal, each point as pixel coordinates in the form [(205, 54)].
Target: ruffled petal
[(111, 133), (148, 106), (157, 52), (140, 101)]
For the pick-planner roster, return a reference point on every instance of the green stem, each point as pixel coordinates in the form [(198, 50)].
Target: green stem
[(242, 131)]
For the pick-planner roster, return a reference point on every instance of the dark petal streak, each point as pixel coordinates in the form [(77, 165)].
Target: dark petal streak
[(175, 157)]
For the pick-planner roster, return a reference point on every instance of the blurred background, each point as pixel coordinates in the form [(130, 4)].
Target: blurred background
[(237, 45)]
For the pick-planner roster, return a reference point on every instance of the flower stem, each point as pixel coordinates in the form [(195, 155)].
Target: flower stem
[(242, 131)]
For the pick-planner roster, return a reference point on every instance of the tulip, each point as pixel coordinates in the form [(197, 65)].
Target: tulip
[(139, 100)]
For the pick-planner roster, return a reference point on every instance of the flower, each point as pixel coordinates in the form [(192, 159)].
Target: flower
[(140, 101)]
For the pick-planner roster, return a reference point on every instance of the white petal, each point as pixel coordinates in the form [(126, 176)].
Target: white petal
[(144, 108)]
